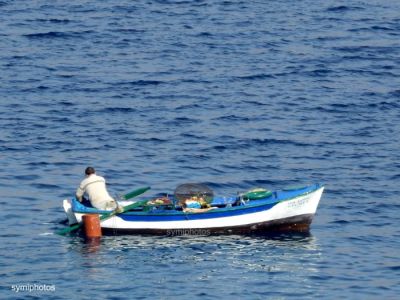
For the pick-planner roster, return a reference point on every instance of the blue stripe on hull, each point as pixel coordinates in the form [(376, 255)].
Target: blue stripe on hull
[(181, 216)]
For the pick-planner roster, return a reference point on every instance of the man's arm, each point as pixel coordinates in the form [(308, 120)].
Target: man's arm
[(79, 193)]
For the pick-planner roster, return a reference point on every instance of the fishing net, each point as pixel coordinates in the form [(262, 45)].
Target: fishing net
[(192, 193)]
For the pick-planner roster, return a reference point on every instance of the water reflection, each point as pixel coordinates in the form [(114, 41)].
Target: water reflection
[(192, 261), (225, 242), (92, 245)]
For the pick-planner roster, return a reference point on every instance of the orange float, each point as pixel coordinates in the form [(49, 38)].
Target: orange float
[(91, 225)]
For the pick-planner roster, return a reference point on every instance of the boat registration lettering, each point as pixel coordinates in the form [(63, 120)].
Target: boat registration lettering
[(294, 204)]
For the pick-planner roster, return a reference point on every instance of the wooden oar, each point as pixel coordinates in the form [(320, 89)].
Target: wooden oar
[(135, 193), (112, 213)]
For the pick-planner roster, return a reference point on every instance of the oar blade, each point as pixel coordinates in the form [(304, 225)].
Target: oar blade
[(66, 230)]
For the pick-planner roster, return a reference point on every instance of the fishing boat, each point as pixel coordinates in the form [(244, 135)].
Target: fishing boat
[(257, 211)]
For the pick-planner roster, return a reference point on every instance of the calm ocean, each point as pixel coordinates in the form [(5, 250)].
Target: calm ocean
[(234, 94)]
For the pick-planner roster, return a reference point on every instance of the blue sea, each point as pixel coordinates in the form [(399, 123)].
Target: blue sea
[(233, 94)]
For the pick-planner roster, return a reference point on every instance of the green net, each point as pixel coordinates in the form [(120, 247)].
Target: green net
[(257, 193)]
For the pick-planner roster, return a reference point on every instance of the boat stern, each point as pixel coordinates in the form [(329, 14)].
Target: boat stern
[(67, 205)]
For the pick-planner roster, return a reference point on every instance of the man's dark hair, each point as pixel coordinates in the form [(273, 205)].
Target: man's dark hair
[(90, 170)]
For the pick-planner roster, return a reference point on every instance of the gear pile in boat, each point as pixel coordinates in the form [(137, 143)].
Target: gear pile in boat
[(197, 197), (188, 194)]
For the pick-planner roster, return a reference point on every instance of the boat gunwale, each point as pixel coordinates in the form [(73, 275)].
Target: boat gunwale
[(222, 209)]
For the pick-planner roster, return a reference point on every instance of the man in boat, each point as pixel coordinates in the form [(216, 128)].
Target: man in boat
[(95, 187)]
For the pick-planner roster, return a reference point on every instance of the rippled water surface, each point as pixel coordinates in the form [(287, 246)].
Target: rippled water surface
[(236, 94)]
